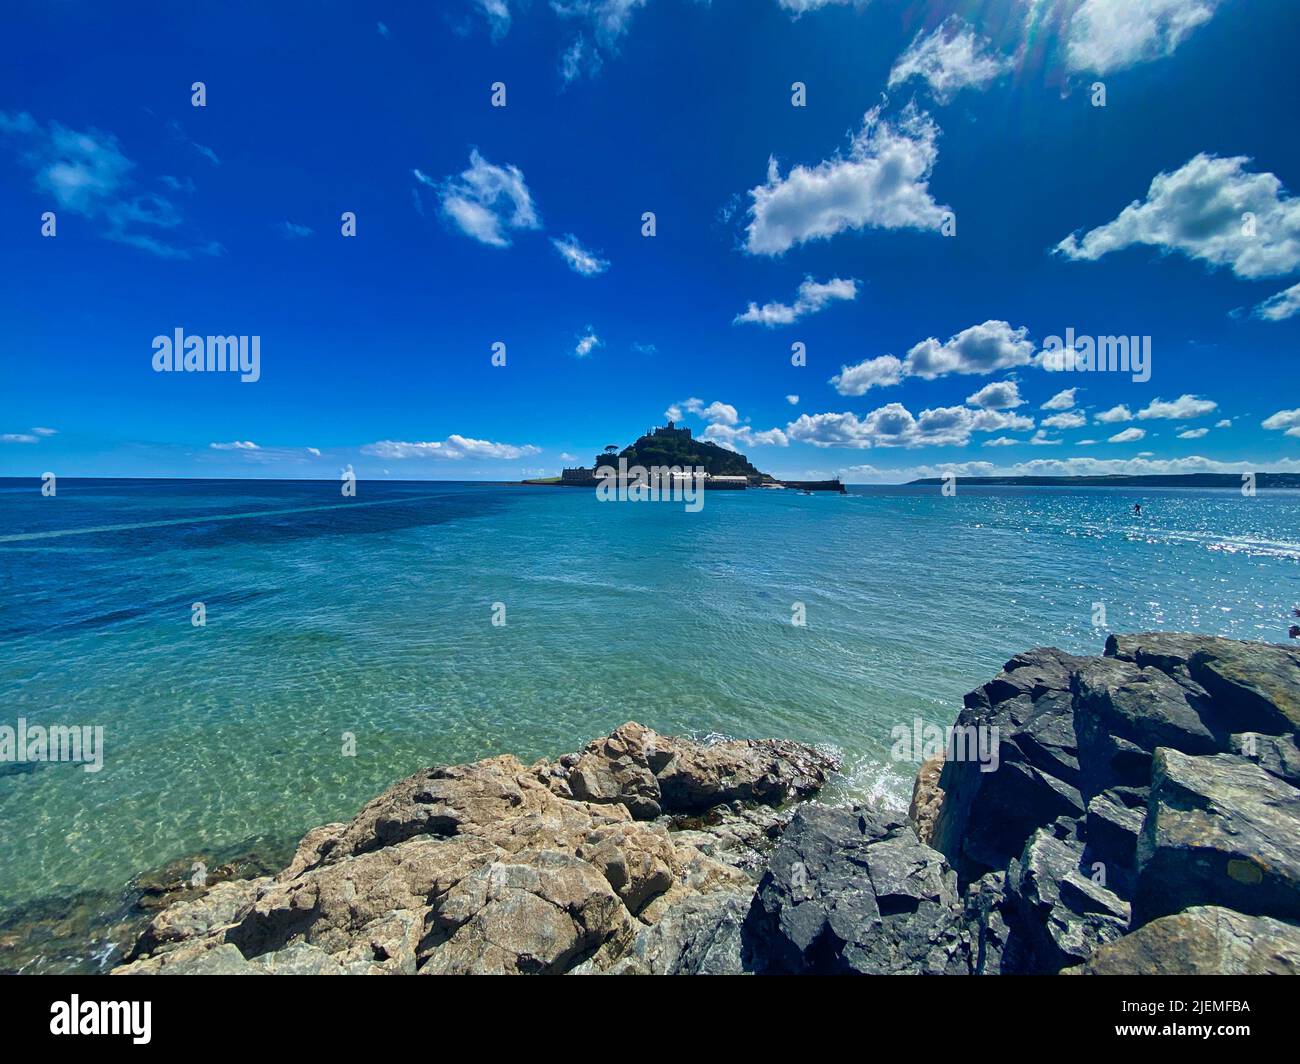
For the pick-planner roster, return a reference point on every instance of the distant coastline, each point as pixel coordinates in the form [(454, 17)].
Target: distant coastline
[(1165, 480)]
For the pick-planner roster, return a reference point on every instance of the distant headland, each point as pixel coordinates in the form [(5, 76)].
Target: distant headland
[(673, 447), (1148, 480)]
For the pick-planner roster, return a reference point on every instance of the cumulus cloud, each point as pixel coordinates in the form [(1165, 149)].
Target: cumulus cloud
[(486, 201), (1114, 414), (1128, 435), (1192, 434), (1211, 209), (811, 297), (882, 183), (1063, 400), (893, 425), (1066, 419), (578, 258), (453, 447), (725, 427), (88, 173), (1287, 421), (587, 343), (980, 349), (1180, 409), (1108, 35), (1281, 306), (235, 445), (997, 395), (801, 7), (793, 400), (951, 58), (1074, 466)]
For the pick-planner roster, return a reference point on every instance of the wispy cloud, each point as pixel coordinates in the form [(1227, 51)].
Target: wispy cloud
[(454, 447), (587, 343), (88, 173), (1109, 35), (485, 201), (579, 259), (951, 58)]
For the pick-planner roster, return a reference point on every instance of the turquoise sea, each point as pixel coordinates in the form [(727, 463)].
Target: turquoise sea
[(374, 616)]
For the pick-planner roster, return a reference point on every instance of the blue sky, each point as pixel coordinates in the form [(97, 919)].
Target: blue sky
[(1166, 213)]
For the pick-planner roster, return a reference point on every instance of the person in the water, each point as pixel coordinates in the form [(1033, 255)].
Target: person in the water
[(1137, 507)]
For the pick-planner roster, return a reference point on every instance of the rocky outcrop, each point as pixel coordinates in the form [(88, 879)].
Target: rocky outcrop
[(498, 867), (1134, 812), (1133, 789), (854, 891), (1203, 940)]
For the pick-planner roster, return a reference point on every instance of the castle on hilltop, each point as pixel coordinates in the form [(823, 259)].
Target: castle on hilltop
[(671, 430)]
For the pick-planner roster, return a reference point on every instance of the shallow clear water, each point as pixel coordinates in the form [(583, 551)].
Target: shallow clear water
[(373, 616)]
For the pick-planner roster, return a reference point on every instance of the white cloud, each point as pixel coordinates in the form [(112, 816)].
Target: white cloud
[(1226, 423), (1281, 306), (1041, 439), (811, 297), (88, 174), (1074, 466), (1109, 35), (41, 430), (1114, 414), (872, 373), (1192, 434), (497, 14), (587, 343), (17, 437), (293, 230), (979, 349), (1128, 435), (1288, 420), (951, 58), (1211, 209), (997, 395), (453, 447), (486, 201), (893, 425), (1061, 400), (724, 425), (1181, 409), (882, 183), (1066, 419), (793, 400), (801, 7), (235, 445), (579, 259), (602, 23), (1001, 441)]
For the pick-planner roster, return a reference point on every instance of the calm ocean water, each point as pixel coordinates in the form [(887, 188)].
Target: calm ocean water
[(373, 616)]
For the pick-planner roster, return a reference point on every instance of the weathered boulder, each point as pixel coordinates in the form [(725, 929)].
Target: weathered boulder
[(1219, 831), (1253, 686), (853, 891), (986, 816), (1060, 912), (927, 798), (1202, 940), (700, 935), (1277, 754), (498, 867)]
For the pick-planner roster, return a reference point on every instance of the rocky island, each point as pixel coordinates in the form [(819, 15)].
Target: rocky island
[(1144, 818)]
